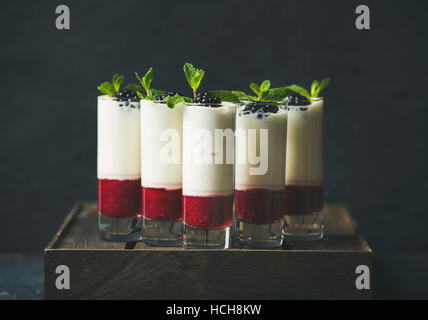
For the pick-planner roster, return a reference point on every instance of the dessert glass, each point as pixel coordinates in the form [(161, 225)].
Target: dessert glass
[(161, 173), (208, 175), (303, 178), (259, 174), (118, 169)]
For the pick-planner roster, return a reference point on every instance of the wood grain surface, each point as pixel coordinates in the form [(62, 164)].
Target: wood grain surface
[(106, 270)]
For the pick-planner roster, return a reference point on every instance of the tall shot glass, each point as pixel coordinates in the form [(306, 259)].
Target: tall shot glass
[(161, 173), (208, 175), (303, 178), (118, 169), (259, 173)]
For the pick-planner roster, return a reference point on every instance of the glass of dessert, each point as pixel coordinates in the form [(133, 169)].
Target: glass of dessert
[(118, 164), (259, 173), (303, 178), (208, 168), (161, 172)]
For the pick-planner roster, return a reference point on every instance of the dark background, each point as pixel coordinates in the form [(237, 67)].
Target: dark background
[(375, 115)]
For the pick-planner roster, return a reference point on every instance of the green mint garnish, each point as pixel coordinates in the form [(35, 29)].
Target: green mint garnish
[(300, 90), (141, 96), (316, 88), (107, 88), (241, 95), (146, 81), (265, 85), (171, 101), (265, 93), (156, 92), (276, 94), (117, 82), (111, 88), (256, 88), (194, 76), (133, 87), (224, 95)]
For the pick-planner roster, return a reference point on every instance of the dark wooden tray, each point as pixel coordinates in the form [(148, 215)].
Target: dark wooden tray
[(104, 270)]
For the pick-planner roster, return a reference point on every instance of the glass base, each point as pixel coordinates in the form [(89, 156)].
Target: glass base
[(119, 229), (161, 233), (304, 227), (200, 238), (259, 235)]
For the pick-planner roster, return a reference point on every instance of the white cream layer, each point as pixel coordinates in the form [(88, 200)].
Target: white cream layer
[(161, 145), (201, 179), (304, 144), (274, 158), (118, 155)]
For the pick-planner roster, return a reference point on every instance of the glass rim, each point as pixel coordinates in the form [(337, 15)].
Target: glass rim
[(221, 105), (311, 100), (278, 103), (108, 98)]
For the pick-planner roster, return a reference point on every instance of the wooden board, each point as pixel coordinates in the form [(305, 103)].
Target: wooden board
[(302, 270)]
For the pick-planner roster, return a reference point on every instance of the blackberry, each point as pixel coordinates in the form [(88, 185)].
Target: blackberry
[(207, 99), (166, 94), (126, 95), (298, 100), (255, 106)]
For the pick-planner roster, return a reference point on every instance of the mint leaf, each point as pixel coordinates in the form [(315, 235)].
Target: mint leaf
[(138, 78), (225, 95), (314, 87), (300, 90), (252, 98), (265, 86), (241, 95), (107, 88), (194, 76), (133, 87), (117, 82), (156, 92), (146, 80), (255, 87), (141, 95), (276, 94), (171, 102), (324, 83)]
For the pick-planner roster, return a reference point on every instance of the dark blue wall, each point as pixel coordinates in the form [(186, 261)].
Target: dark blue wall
[(375, 132)]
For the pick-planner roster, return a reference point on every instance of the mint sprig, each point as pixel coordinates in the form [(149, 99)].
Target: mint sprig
[(111, 88), (133, 87), (275, 94), (316, 88), (241, 95), (107, 88), (117, 82), (172, 101), (194, 76), (265, 93), (224, 95), (146, 81)]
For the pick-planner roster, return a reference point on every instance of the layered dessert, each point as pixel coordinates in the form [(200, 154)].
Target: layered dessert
[(303, 178), (208, 170), (259, 173), (118, 165), (161, 173)]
